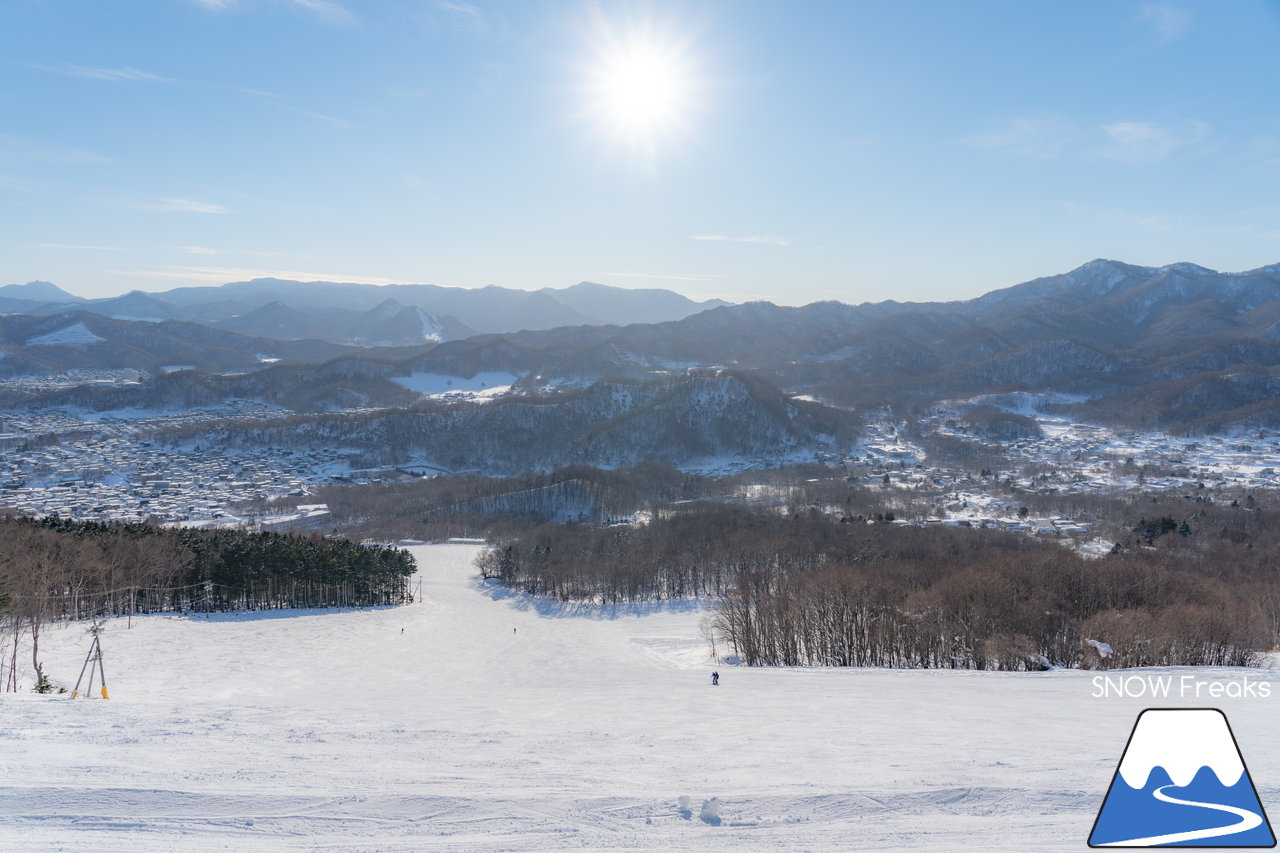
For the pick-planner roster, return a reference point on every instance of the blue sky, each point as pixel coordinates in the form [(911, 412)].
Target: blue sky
[(748, 150)]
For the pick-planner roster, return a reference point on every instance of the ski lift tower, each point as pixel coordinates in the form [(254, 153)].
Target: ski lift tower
[(92, 662)]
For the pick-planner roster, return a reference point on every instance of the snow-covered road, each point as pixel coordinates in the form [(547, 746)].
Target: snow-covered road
[(482, 720)]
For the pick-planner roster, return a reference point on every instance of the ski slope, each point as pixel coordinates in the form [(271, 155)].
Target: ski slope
[(481, 720)]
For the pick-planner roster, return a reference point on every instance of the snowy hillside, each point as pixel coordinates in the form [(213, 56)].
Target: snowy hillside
[(484, 721), (75, 335), (708, 422)]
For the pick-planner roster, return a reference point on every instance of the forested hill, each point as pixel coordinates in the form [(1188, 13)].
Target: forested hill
[(812, 589), (59, 568), (704, 420)]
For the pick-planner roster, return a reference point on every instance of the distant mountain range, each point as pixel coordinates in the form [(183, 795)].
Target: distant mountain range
[(1179, 347), (35, 345), (363, 314)]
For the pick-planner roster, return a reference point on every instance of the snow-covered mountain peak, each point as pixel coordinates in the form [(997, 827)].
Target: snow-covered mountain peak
[(1188, 268), (37, 291), (1102, 274)]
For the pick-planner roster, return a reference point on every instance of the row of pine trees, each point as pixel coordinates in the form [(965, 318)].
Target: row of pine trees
[(55, 569)]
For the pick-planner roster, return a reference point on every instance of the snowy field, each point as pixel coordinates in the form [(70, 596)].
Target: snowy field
[(436, 726), (437, 385)]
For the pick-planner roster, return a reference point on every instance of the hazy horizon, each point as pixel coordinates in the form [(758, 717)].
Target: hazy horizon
[(678, 290)]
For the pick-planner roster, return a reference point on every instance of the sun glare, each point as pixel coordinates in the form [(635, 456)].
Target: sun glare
[(639, 90), (640, 86)]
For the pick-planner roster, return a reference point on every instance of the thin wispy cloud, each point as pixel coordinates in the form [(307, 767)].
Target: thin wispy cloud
[(1136, 140), (112, 75), (328, 10), (205, 250), (664, 276), (467, 16), (1042, 136), (466, 10), (461, 16), (183, 205), (19, 149), (334, 13), (763, 239), (1049, 137), (273, 99), (76, 247), (1168, 22), (336, 122), (220, 275), (1140, 141)]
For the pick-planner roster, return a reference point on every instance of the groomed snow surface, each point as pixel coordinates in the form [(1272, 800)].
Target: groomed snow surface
[(481, 720)]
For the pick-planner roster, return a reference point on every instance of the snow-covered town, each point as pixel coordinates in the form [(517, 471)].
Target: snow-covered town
[(113, 467), (110, 468), (1070, 458)]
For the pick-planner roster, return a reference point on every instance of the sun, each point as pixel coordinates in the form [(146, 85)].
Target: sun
[(640, 85), (639, 90)]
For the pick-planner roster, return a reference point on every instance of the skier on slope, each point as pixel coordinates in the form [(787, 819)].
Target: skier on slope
[(715, 679)]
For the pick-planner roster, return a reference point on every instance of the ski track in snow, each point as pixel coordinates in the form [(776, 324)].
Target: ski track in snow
[(579, 730)]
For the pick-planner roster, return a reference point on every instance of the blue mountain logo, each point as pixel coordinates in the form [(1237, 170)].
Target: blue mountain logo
[(1182, 783)]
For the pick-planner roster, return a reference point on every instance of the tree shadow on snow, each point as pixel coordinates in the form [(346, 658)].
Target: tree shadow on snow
[(552, 608)]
